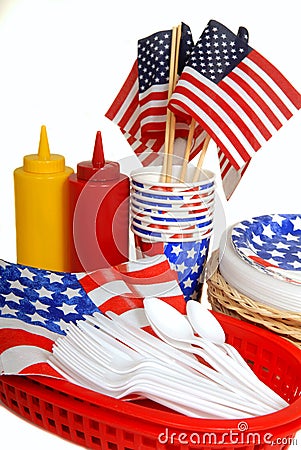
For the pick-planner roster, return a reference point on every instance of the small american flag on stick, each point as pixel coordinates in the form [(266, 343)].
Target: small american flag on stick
[(37, 305), (140, 107), (235, 94)]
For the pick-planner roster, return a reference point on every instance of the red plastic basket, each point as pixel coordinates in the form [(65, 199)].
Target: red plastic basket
[(99, 422)]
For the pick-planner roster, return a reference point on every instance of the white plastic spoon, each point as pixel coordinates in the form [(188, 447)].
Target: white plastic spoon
[(238, 391), (175, 325), (179, 329), (208, 327), (204, 323)]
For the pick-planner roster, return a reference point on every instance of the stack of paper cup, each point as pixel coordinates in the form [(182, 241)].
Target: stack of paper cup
[(175, 219)]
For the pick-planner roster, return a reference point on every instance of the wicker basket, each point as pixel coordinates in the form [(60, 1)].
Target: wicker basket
[(228, 300)]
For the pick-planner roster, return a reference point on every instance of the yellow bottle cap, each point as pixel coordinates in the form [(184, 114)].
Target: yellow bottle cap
[(44, 161)]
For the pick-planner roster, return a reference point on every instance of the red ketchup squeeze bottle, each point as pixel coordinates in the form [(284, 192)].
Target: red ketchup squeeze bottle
[(98, 213)]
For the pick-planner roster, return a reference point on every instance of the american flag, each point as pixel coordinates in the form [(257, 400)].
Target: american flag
[(236, 95), (140, 107), (230, 176), (37, 305)]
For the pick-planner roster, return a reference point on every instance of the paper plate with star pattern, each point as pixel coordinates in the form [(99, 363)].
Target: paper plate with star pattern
[(272, 244)]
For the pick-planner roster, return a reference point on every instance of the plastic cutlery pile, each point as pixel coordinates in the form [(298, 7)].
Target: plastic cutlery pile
[(197, 376)]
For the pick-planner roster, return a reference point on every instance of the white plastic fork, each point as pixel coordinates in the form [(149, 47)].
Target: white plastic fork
[(149, 345), (118, 363), (190, 412), (146, 391), (121, 359), (166, 350), (121, 385), (127, 360)]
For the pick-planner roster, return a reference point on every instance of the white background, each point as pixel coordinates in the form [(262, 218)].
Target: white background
[(61, 64)]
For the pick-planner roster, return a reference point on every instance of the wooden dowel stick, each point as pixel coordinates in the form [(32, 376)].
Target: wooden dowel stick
[(173, 58), (187, 150), (175, 45), (168, 113), (166, 142), (201, 159), (173, 118), (170, 147)]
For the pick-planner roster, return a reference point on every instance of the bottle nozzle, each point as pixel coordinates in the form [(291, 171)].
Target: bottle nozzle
[(98, 159), (44, 151), (44, 162), (98, 169)]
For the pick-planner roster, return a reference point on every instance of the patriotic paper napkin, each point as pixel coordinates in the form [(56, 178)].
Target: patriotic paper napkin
[(37, 305)]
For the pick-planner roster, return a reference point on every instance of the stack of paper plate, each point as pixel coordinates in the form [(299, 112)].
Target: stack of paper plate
[(261, 258)]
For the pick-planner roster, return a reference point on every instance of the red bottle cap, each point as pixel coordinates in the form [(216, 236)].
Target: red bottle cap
[(98, 169)]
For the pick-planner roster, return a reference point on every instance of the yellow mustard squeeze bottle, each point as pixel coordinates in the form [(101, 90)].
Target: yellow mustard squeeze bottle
[(41, 206)]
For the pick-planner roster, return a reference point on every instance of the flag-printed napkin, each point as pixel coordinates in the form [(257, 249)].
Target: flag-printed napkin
[(36, 305)]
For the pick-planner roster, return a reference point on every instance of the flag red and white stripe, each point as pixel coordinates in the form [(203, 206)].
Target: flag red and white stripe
[(235, 94), (140, 107), (243, 110), (144, 126)]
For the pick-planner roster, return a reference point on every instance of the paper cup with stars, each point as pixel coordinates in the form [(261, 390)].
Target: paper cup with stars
[(171, 221), (177, 228), (148, 192), (178, 232), (177, 209), (160, 193), (171, 195), (187, 257), (173, 202), (175, 219), (170, 216), (148, 178), (170, 205)]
